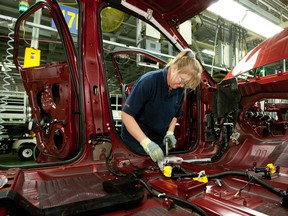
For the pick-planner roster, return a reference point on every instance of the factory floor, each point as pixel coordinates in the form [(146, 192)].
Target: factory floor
[(13, 159)]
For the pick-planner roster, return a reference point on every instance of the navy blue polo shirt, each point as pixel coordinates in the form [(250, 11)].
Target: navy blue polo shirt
[(153, 106)]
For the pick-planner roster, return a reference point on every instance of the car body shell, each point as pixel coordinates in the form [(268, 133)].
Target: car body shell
[(230, 161)]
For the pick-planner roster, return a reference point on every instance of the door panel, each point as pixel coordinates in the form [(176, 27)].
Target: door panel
[(49, 75)]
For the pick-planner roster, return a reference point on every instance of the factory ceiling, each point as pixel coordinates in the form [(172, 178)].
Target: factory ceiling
[(207, 30)]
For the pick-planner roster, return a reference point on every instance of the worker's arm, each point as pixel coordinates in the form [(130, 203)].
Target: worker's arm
[(132, 126), (151, 148), (172, 125), (170, 134)]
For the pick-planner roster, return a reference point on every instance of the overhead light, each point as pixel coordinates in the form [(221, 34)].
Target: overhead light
[(241, 15), (208, 52), (260, 25)]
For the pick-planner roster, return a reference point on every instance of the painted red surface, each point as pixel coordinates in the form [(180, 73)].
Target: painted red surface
[(271, 50), (77, 184)]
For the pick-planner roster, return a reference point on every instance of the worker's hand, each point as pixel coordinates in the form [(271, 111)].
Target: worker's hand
[(152, 149), (170, 138)]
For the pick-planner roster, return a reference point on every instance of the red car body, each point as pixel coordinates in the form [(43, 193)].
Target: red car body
[(231, 159)]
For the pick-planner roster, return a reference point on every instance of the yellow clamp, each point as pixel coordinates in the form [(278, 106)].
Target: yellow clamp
[(202, 177), (271, 167), (167, 171)]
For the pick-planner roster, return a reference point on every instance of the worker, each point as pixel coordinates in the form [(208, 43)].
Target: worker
[(150, 112)]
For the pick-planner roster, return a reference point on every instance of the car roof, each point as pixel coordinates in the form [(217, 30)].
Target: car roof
[(271, 50), (173, 12)]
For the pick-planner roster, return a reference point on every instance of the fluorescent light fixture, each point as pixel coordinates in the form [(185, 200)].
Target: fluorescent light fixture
[(241, 15), (229, 10), (260, 25), (208, 52)]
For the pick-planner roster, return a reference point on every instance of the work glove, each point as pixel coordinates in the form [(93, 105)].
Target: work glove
[(152, 149), (170, 138)]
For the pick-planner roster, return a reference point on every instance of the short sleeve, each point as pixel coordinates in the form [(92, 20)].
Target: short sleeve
[(139, 95)]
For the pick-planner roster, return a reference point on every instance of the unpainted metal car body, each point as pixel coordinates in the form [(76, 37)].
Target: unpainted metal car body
[(231, 155)]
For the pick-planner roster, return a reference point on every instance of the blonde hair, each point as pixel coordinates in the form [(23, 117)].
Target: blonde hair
[(184, 59)]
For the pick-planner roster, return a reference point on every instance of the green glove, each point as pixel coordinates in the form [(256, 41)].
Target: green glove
[(170, 139), (152, 149)]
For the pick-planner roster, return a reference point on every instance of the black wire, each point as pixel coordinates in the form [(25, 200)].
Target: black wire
[(149, 189), (237, 173), (246, 185), (206, 27), (163, 195), (194, 207), (246, 174), (108, 159)]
